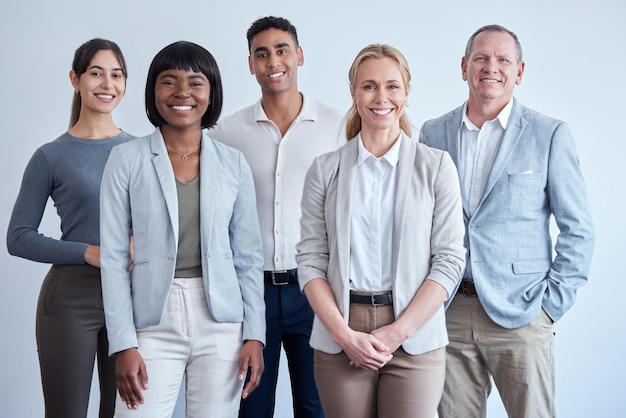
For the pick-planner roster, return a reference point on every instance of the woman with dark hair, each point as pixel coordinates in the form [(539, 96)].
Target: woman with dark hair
[(70, 325), (192, 306), (381, 250)]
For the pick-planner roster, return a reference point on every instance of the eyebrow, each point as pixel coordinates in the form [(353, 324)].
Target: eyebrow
[(97, 67), (277, 46), (386, 82), (200, 76)]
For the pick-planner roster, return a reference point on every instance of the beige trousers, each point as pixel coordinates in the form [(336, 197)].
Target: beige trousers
[(520, 362), (406, 387)]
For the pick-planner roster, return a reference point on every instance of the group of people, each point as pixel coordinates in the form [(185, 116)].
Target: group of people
[(400, 276)]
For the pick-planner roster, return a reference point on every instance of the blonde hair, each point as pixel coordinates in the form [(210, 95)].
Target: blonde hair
[(353, 119)]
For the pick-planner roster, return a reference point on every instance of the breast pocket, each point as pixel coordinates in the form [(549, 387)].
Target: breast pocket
[(527, 192)]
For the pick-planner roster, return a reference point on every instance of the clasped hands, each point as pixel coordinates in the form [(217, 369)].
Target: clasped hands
[(372, 351)]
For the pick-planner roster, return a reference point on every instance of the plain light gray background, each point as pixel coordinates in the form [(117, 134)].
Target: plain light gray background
[(574, 53)]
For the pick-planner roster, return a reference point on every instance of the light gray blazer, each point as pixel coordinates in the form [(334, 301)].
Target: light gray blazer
[(138, 196), (535, 175), (427, 234)]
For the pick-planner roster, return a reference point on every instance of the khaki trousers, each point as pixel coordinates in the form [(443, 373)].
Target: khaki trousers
[(406, 387), (520, 361)]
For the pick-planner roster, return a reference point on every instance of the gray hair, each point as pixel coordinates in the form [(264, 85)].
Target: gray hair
[(493, 28)]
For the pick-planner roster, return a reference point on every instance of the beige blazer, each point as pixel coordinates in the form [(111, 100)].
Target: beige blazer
[(428, 234)]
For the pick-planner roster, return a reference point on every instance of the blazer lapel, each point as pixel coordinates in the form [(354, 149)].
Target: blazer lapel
[(453, 135), (209, 178), (512, 134), (345, 186), (165, 174), (405, 166)]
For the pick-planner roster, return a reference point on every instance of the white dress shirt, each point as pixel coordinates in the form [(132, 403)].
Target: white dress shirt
[(479, 147), (279, 165), (371, 228)]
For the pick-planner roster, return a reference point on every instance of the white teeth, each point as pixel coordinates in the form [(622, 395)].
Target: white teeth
[(276, 74), (489, 80), (382, 111), (105, 96), (182, 107)]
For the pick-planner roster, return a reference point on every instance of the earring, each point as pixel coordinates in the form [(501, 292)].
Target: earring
[(406, 104)]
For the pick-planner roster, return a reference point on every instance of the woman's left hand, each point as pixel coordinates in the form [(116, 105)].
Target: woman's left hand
[(390, 336), (251, 358)]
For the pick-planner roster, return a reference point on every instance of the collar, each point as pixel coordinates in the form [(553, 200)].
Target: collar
[(392, 156), (308, 111), (503, 117)]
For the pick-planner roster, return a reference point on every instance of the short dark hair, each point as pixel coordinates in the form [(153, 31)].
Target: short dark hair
[(82, 58), (271, 22), (186, 56), (493, 28)]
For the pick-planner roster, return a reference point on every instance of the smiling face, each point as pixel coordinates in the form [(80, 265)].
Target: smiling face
[(380, 95), (492, 70), (102, 85), (274, 60), (181, 98)]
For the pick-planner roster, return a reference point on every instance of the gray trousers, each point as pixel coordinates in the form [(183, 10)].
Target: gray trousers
[(70, 334)]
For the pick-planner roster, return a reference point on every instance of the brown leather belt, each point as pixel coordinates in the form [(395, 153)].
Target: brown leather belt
[(467, 288)]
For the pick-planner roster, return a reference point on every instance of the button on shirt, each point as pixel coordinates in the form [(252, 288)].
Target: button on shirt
[(479, 148), (279, 165), (371, 228)]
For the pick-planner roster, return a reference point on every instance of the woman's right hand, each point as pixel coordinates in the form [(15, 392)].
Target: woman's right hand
[(92, 255), (131, 377), (365, 351)]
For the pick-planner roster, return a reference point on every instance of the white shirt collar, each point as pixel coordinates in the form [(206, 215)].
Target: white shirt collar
[(392, 156), (503, 117)]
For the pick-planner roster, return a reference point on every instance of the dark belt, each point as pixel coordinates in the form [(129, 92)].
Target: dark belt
[(467, 288), (281, 277), (375, 300)]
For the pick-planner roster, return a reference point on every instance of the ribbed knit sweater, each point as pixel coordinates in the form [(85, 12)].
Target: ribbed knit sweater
[(69, 171)]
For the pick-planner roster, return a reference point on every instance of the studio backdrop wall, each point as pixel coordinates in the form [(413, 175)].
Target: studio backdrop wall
[(574, 53)]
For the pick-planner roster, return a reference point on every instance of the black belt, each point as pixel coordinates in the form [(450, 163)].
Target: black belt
[(281, 277), (467, 288), (375, 300)]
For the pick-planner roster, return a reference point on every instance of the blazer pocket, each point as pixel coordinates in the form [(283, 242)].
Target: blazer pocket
[(532, 266), (526, 193)]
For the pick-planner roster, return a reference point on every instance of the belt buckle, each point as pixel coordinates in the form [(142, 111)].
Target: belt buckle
[(373, 298), (464, 290), (274, 282)]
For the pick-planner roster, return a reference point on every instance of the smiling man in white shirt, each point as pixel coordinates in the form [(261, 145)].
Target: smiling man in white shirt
[(280, 135)]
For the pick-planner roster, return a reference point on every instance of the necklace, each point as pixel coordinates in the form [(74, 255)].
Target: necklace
[(184, 155)]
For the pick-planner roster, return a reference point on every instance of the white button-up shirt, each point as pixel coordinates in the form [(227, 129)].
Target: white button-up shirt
[(479, 148), (371, 228), (279, 165)]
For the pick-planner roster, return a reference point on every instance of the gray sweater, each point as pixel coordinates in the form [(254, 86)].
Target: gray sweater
[(68, 170)]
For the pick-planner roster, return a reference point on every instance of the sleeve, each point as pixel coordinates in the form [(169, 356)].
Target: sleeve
[(245, 241), (23, 237), (576, 237), (313, 251), (115, 231), (448, 229)]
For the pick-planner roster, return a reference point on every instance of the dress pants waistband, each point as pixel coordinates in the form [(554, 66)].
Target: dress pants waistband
[(281, 277), (373, 298)]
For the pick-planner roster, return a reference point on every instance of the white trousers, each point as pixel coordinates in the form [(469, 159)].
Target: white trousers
[(188, 342)]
